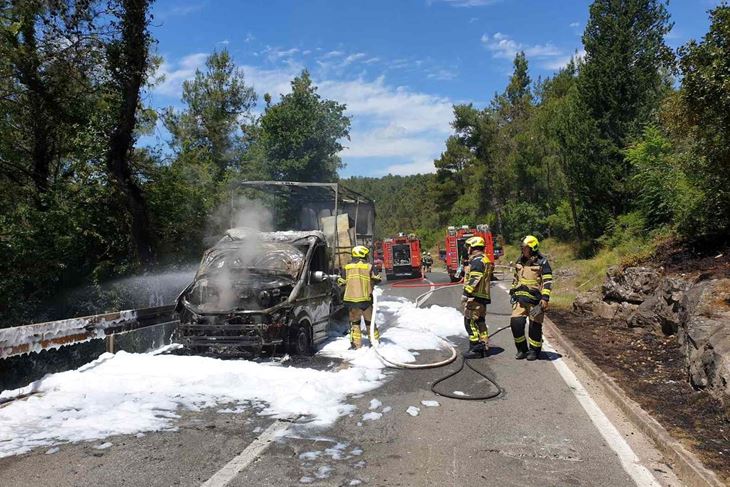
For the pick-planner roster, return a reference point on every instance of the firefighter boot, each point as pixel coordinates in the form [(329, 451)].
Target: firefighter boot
[(476, 350), (355, 335), (517, 324), (376, 332), (534, 338)]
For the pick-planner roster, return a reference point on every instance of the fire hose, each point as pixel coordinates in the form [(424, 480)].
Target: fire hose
[(453, 353)]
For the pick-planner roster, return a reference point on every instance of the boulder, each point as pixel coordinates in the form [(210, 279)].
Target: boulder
[(592, 303), (704, 335), (586, 302), (660, 312), (633, 284)]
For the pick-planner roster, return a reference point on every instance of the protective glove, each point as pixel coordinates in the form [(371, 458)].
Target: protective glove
[(512, 300)]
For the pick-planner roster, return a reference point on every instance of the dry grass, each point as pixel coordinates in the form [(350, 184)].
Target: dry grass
[(573, 275)]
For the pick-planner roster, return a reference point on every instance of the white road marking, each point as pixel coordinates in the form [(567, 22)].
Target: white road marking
[(229, 471), (629, 461), (425, 297)]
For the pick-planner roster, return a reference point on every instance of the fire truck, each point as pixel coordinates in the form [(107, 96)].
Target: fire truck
[(402, 256), (456, 257)]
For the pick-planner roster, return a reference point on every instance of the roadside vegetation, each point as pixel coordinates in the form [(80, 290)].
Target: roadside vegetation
[(626, 145)]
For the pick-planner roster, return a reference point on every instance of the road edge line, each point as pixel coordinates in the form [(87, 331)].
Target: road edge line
[(688, 467), (628, 458), (231, 469)]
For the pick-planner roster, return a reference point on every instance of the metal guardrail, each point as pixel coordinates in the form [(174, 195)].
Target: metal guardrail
[(21, 340)]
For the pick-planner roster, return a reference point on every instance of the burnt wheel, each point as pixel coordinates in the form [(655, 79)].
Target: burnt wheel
[(300, 340)]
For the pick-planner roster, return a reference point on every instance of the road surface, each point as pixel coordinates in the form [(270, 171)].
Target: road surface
[(545, 430)]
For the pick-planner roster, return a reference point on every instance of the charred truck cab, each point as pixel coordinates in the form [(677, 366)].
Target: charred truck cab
[(258, 292)]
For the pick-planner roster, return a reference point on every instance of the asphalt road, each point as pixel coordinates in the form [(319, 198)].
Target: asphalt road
[(537, 433)]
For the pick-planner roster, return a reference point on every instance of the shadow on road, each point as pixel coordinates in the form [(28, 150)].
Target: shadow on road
[(549, 356)]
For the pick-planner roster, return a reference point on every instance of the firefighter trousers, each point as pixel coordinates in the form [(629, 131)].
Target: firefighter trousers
[(520, 312), (356, 313), (475, 322)]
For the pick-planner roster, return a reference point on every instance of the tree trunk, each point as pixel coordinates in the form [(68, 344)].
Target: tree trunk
[(130, 76), (574, 211), (28, 65)]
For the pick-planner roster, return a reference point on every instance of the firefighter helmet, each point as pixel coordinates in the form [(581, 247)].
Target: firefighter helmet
[(360, 251), (531, 241), (475, 242)]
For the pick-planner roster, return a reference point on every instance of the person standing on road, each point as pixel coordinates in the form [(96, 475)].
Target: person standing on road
[(530, 296), (359, 281), (477, 280)]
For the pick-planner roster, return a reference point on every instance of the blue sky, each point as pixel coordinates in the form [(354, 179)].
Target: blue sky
[(398, 65)]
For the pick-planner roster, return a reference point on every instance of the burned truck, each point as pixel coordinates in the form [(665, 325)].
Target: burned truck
[(260, 292)]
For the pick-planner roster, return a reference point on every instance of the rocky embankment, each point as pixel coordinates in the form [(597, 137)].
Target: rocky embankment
[(696, 310)]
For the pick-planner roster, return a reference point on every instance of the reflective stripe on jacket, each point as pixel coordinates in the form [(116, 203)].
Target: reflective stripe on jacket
[(533, 280), (478, 280), (358, 282)]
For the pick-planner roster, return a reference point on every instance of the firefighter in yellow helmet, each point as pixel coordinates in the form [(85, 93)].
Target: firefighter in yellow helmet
[(477, 280), (359, 281), (530, 295)]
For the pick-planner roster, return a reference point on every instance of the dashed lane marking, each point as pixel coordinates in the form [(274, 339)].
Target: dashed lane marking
[(229, 471)]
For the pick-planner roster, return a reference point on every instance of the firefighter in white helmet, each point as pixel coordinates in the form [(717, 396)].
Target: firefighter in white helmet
[(359, 281), (476, 297), (530, 294)]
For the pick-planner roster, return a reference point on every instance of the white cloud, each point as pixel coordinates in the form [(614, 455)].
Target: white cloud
[(409, 168), (503, 46), (175, 73), (181, 10), (562, 61), (353, 58), (442, 74), (392, 122), (275, 54), (332, 54), (575, 24)]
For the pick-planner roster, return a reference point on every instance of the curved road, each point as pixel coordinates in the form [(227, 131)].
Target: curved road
[(542, 431)]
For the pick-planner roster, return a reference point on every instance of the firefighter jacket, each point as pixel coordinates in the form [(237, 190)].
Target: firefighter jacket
[(477, 281), (533, 280), (359, 281)]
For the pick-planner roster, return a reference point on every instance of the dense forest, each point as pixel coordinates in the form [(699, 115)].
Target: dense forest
[(629, 139)]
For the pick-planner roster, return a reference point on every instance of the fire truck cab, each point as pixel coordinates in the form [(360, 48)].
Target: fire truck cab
[(402, 257), (456, 257)]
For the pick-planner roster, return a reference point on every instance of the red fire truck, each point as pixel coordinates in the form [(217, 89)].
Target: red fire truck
[(402, 256), (456, 257)]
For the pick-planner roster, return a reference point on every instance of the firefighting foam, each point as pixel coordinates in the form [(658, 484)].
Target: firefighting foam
[(132, 393)]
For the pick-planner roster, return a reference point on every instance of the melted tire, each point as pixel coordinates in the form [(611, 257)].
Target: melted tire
[(300, 341)]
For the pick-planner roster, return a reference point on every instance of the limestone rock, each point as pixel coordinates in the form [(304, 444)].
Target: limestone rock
[(660, 312), (633, 284), (592, 303), (704, 335)]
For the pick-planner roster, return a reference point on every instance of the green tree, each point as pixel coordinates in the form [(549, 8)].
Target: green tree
[(705, 106), (299, 138), (129, 64), (654, 177), (48, 54), (218, 110), (623, 79)]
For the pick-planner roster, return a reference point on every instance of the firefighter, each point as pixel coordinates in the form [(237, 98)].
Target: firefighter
[(530, 295), (429, 262), (478, 276), (359, 281)]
